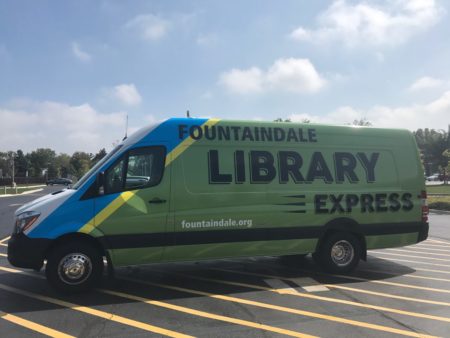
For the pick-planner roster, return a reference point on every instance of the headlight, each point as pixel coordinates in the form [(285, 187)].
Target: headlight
[(25, 220)]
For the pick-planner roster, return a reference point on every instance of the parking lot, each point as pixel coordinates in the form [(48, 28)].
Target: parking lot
[(397, 292)]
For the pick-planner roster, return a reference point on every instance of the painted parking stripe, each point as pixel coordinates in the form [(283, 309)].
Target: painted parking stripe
[(33, 326), (405, 275), (309, 284), (412, 256), (363, 305), (419, 252), (432, 270), (412, 261), (191, 311), (284, 309), (279, 285), (3, 255), (388, 295), (3, 244), (94, 312), (431, 245), (439, 241), (5, 239), (360, 279), (428, 249), (208, 315)]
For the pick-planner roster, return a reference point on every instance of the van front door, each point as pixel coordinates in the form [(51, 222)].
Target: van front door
[(132, 212)]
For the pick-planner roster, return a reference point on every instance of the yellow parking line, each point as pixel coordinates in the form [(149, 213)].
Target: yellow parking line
[(427, 248), (5, 239), (432, 270), (208, 315), (94, 312), (284, 309), (3, 255), (433, 245), (388, 295), (441, 242), (186, 310), (3, 244), (412, 256), (416, 262), (310, 296), (419, 252), (33, 326), (405, 275), (402, 285)]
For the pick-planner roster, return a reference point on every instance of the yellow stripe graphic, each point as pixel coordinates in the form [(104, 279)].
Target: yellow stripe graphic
[(179, 149), (107, 211), (33, 326)]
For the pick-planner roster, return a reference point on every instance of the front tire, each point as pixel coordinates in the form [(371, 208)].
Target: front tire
[(74, 267), (340, 252)]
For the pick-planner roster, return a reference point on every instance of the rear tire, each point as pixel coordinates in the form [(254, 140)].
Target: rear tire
[(340, 252), (74, 267)]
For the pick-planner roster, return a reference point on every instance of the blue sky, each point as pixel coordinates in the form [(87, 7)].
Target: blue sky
[(70, 71)]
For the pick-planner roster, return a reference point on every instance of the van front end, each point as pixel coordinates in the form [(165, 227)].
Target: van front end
[(25, 252)]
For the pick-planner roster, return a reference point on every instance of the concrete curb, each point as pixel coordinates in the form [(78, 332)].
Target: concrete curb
[(23, 193), (440, 212)]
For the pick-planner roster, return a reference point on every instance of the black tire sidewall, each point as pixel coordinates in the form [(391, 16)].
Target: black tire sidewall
[(324, 255), (59, 252)]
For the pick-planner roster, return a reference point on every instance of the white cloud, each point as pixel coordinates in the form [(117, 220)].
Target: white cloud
[(372, 24), (291, 75), (243, 81), (149, 27), (425, 82), (434, 114), (207, 39), (79, 53), (127, 94), (60, 126)]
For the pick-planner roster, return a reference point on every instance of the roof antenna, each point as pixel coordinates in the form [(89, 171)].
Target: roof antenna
[(187, 114), (126, 130)]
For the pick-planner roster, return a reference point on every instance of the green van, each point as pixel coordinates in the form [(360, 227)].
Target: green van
[(192, 189)]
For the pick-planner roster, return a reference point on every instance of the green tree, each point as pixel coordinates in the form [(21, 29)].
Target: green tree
[(21, 163), (97, 157), (432, 144), (279, 119), (41, 160), (80, 163), (362, 122), (63, 165)]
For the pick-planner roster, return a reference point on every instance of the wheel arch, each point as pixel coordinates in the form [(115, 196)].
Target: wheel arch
[(77, 236), (344, 224)]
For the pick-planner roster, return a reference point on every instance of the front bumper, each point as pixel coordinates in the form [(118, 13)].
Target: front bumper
[(25, 252)]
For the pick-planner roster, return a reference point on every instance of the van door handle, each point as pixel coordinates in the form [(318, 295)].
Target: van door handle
[(157, 200)]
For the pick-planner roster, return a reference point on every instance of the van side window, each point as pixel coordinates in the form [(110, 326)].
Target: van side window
[(139, 168)]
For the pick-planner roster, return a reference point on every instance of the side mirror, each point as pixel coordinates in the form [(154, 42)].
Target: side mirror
[(100, 183)]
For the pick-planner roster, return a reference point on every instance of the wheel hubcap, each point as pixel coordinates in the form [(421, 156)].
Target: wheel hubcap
[(342, 253), (75, 268)]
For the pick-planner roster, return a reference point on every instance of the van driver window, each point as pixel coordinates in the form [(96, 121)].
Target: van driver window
[(140, 168)]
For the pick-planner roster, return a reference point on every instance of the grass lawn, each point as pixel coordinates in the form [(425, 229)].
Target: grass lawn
[(439, 202), (438, 189)]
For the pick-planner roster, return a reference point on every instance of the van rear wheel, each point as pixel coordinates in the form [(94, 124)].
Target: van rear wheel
[(74, 267), (339, 253)]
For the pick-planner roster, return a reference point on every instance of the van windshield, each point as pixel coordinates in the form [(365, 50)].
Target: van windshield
[(95, 167)]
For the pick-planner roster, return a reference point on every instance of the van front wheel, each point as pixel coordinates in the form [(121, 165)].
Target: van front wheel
[(74, 267), (339, 253)]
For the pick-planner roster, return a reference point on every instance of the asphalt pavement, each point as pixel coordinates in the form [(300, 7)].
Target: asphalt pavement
[(397, 292)]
